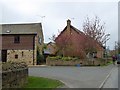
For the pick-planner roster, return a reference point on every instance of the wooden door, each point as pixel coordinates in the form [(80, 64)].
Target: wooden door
[(4, 55)]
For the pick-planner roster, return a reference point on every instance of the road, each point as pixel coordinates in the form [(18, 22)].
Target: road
[(113, 80), (74, 77)]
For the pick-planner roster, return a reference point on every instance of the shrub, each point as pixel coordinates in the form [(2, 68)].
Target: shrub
[(53, 58), (40, 57), (66, 58), (58, 57), (63, 58)]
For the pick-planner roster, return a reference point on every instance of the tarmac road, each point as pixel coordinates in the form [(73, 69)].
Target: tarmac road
[(73, 77), (112, 81)]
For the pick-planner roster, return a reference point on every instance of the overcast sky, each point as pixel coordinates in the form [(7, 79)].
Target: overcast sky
[(53, 14)]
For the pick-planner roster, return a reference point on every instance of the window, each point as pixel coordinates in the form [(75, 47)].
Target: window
[(40, 40), (16, 56), (17, 39), (22, 53)]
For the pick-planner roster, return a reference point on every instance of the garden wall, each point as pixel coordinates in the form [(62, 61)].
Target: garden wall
[(14, 75), (82, 62)]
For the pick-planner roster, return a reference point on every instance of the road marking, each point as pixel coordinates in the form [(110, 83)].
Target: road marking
[(66, 84), (102, 84)]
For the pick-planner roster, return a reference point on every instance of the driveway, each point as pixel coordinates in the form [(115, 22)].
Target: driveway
[(73, 77)]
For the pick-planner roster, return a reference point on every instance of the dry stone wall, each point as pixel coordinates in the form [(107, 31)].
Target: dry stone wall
[(14, 74), (82, 62)]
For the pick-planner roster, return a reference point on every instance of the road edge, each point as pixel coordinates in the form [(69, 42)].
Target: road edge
[(103, 83), (65, 84)]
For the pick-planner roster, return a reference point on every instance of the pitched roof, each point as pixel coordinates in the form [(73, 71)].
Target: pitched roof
[(78, 31), (50, 43), (26, 28), (75, 29)]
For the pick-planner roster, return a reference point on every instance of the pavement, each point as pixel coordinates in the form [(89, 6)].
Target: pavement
[(74, 77)]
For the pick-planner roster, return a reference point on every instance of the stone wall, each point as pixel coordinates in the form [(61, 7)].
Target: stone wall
[(82, 62), (14, 75), (23, 55)]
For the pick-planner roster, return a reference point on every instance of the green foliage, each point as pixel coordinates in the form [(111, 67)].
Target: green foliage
[(40, 57), (63, 58), (55, 58), (39, 82), (67, 58), (45, 46)]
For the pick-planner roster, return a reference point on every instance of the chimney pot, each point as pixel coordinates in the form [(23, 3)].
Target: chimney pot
[(68, 22)]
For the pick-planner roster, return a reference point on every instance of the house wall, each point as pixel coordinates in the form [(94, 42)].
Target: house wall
[(100, 51), (23, 55), (77, 40), (26, 42), (25, 28), (51, 48), (74, 43), (40, 36), (25, 50)]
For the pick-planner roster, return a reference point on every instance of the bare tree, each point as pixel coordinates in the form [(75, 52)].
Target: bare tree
[(52, 38), (95, 30)]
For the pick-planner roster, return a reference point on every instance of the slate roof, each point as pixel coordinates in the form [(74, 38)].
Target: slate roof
[(26, 28)]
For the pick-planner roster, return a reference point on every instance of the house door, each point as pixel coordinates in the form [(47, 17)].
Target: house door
[(4, 55)]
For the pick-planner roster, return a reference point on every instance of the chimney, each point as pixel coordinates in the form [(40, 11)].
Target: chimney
[(68, 22), (68, 26)]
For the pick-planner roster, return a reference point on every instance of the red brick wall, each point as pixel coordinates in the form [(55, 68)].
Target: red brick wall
[(76, 44), (26, 42), (74, 41)]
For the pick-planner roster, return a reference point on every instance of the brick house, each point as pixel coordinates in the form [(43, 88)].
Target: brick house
[(72, 42), (50, 48), (20, 42)]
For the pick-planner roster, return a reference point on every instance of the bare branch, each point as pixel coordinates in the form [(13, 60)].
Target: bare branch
[(95, 30)]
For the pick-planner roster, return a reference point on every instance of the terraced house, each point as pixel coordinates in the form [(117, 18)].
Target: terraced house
[(20, 42)]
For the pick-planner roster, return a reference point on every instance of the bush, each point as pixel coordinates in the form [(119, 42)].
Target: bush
[(67, 58), (63, 58), (40, 58)]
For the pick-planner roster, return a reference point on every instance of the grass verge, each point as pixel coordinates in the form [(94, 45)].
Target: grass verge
[(108, 63), (40, 82)]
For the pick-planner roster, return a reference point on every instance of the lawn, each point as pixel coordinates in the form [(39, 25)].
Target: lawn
[(40, 82)]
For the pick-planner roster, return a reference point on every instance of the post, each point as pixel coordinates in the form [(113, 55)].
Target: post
[(105, 45), (115, 47)]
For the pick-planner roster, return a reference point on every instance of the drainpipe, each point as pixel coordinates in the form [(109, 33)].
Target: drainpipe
[(33, 49)]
